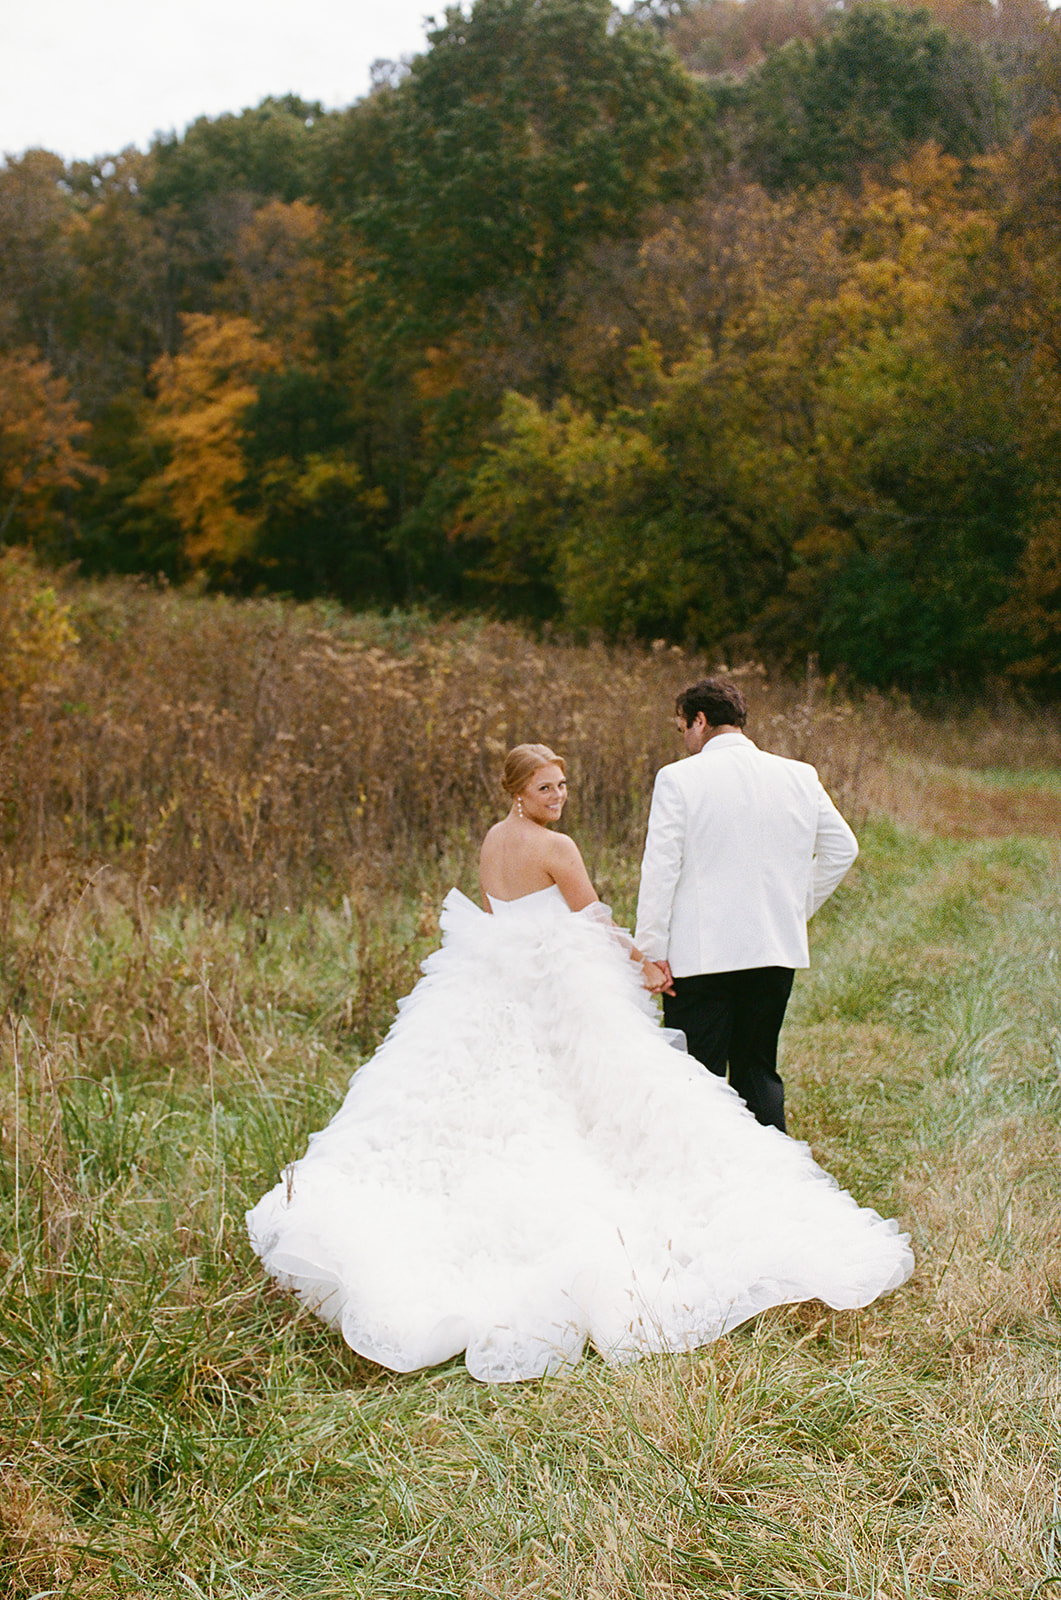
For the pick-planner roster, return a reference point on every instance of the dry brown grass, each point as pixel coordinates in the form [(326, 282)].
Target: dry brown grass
[(254, 754), (251, 754), (964, 802), (36, 1536), (257, 754)]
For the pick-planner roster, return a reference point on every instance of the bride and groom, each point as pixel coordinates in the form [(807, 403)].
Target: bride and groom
[(526, 1163)]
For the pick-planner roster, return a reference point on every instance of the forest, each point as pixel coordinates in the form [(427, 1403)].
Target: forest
[(731, 324)]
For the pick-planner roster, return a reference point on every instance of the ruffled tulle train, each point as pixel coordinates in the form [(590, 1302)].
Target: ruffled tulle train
[(526, 1164)]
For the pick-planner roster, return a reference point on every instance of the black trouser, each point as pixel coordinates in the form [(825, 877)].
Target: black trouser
[(733, 1019)]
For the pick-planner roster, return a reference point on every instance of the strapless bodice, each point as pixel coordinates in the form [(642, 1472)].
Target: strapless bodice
[(550, 898)]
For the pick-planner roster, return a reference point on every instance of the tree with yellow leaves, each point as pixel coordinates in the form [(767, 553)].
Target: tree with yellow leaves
[(37, 637), (203, 396), (277, 275)]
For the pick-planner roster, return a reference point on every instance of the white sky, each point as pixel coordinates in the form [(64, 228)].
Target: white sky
[(88, 77)]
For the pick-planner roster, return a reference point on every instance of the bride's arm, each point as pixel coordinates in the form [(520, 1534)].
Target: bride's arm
[(572, 879), (567, 869)]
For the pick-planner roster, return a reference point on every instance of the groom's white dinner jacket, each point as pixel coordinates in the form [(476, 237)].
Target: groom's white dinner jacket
[(742, 848)]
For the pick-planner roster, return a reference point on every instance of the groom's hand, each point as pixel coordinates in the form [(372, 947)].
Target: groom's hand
[(658, 978)]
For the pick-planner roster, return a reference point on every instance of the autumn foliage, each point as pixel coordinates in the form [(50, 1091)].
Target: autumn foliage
[(734, 327), (41, 439)]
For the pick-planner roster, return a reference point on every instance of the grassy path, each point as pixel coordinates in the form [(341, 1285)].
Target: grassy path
[(173, 1427)]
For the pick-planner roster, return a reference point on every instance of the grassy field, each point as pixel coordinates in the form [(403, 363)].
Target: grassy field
[(175, 1426)]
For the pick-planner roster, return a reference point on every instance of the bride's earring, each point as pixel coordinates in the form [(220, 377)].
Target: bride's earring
[(519, 807)]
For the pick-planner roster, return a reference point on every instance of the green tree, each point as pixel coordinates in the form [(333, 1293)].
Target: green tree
[(835, 470), (38, 270), (1016, 296), (673, 520), (882, 80), (473, 189), (121, 311), (547, 503), (204, 187), (921, 536), (529, 129), (321, 524), (268, 151)]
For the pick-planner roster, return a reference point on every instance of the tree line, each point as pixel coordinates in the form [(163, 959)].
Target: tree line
[(727, 322)]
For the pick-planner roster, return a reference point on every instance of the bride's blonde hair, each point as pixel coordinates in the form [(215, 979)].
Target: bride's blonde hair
[(522, 763)]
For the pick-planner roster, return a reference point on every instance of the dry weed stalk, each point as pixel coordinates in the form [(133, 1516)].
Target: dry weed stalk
[(247, 754)]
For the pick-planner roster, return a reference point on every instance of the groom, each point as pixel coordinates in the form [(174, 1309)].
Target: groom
[(742, 849)]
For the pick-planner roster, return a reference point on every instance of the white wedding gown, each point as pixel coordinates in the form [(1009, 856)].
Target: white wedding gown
[(527, 1163)]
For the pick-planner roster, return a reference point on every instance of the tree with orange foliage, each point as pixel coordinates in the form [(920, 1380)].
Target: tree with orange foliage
[(40, 439)]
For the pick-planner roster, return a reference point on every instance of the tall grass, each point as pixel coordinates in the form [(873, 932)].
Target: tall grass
[(176, 1425), (259, 754), (251, 754), (173, 1425)]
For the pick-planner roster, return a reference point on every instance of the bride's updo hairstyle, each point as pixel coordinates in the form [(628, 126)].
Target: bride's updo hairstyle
[(523, 762)]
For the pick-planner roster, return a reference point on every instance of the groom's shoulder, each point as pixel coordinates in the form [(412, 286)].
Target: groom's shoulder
[(788, 763), (711, 766), (787, 769), (673, 772)]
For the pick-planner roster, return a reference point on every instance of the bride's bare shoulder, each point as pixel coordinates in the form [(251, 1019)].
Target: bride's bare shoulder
[(561, 847), (494, 835), (494, 842)]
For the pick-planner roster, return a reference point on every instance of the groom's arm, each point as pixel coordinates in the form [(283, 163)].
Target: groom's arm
[(835, 848), (660, 866)]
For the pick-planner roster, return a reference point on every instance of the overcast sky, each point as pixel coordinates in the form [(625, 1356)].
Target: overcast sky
[(88, 77)]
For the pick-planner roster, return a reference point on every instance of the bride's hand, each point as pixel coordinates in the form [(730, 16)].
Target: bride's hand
[(654, 977)]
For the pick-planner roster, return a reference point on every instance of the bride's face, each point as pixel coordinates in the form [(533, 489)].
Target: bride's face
[(544, 796)]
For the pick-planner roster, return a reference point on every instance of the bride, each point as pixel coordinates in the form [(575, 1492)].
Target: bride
[(526, 1162)]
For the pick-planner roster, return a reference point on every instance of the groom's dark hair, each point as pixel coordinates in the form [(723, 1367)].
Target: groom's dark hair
[(719, 700)]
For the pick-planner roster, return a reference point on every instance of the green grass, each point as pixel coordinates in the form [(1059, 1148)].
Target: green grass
[(176, 1426), (1046, 780)]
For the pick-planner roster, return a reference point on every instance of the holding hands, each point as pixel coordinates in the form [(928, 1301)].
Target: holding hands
[(657, 977)]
